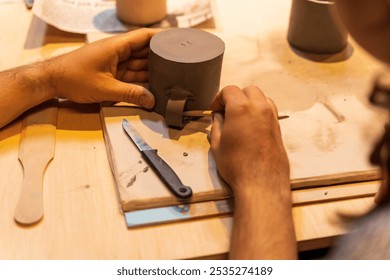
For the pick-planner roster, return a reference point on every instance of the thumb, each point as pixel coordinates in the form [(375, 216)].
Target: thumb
[(131, 93), (273, 107), (216, 130)]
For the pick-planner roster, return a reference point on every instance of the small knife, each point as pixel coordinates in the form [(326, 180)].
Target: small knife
[(163, 170)]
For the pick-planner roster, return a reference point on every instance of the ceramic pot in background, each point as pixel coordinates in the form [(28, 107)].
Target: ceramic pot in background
[(141, 12), (316, 27)]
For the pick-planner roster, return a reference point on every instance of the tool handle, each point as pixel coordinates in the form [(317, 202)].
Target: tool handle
[(167, 175)]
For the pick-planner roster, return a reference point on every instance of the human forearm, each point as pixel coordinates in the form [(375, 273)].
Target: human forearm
[(24, 87), (263, 226), (106, 70), (247, 146)]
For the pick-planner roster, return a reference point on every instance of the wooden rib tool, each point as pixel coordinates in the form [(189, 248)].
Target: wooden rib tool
[(36, 150)]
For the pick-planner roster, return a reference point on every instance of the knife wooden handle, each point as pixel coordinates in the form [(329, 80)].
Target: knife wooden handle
[(167, 175)]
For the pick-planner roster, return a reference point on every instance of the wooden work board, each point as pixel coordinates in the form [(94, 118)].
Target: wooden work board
[(321, 148), (186, 151)]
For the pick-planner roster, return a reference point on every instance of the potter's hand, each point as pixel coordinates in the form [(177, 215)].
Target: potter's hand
[(247, 147), (104, 70), (245, 137), (101, 71)]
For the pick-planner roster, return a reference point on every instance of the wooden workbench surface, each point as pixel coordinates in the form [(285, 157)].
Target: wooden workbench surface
[(82, 217)]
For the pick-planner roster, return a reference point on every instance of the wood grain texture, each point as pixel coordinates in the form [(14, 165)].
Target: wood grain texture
[(336, 179), (225, 207), (186, 151), (36, 150), (335, 192)]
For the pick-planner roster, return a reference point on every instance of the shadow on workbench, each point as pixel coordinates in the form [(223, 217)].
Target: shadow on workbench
[(317, 254)]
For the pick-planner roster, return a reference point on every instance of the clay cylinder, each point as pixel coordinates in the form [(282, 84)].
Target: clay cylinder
[(315, 27), (141, 12), (184, 71)]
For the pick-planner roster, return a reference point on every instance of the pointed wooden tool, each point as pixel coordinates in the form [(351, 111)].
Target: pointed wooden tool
[(36, 150)]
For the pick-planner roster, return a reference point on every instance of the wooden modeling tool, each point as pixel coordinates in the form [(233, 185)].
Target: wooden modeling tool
[(206, 113), (36, 150)]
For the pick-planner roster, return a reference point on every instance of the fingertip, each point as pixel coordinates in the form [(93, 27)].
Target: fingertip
[(217, 117), (135, 94), (216, 128), (146, 99), (220, 100), (271, 103)]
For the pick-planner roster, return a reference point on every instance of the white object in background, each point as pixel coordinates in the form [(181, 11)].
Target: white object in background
[(10, 1), (86, 16)]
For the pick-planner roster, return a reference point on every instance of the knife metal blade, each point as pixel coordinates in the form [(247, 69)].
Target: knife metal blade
[(162, 169)]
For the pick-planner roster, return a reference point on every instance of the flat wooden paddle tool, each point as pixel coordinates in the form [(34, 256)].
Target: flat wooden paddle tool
[(36, 150)]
